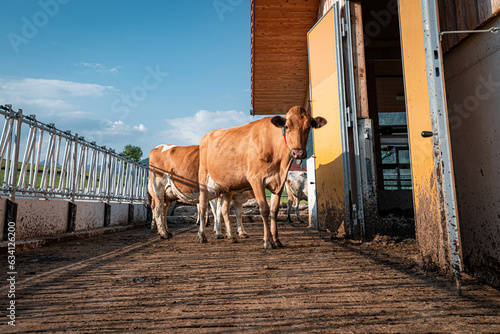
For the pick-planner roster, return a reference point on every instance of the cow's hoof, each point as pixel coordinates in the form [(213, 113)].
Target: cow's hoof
[(202, 239), (232, 240), (269, 245), (166, 236), (218, 236), (243, 235), (278, 243)]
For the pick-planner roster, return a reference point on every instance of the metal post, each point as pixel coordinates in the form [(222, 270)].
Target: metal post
[(16, 154), (74, 171), (439, 119), (110, 157)]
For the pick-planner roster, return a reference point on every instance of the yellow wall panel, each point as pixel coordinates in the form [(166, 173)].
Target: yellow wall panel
[(429, 228), (327, 142)]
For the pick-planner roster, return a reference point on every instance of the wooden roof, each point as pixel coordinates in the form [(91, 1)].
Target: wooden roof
[(280, 76)]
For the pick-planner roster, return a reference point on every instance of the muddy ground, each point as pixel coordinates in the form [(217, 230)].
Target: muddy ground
[(132, 281)]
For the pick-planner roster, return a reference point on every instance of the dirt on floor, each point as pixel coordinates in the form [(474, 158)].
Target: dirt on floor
[(132, 281)]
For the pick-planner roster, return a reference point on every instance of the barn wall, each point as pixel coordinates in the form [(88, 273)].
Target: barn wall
[(464, 15), (89, 216), (43, 218), (472, 72)]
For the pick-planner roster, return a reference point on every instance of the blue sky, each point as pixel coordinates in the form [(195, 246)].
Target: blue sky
[(128, 72)]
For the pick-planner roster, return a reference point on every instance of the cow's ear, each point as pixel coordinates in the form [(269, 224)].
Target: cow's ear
[(278, 121), (318, 122)]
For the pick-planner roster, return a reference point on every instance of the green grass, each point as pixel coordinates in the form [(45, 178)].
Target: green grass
[(39, 175), (284, 197)]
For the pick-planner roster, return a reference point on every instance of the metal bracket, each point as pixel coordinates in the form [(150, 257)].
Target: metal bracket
[(349, 116), (492, 30), (343, 27)]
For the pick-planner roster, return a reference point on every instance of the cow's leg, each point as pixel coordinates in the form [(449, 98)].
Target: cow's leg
[(203, 202), (161, 222), (168, 235), (151, 201), (160, 211), (225, 206), (171, 208), (198, 218), (198, 213), (275, 206), (289, 205), (213, 207), (217, 217), (297, 204), (157, 197), (153, 222), (203, 209), (238, 210), (260, 196)]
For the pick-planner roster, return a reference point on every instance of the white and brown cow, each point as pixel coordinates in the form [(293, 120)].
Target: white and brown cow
[(173, 173), (254, 156), (296, 190), (174, 177)]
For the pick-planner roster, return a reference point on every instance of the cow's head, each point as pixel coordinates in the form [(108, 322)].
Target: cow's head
[(296, 126)]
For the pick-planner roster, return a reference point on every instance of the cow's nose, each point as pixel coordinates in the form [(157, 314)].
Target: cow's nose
[(298, 153)]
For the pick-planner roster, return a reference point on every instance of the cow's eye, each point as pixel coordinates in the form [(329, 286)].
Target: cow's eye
[(286, 127)]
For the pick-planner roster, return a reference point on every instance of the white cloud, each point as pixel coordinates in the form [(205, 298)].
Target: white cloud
[(100, 68), (189, 130), (49, 97), (96, 65), (30, 88), (113, 131), (140, 128)]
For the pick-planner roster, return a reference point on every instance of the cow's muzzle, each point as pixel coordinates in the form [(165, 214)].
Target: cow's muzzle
[(298, 153)]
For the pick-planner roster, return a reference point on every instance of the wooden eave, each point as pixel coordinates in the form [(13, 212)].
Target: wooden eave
[(280, 76)]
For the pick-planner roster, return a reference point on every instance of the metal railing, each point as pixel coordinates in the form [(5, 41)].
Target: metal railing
[(396, 168), (72, 168)]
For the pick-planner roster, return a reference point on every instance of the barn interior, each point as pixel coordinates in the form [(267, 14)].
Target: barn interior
[(386, 105)]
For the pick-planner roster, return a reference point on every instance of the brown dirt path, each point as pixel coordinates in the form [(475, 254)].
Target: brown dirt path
[(132, 281)]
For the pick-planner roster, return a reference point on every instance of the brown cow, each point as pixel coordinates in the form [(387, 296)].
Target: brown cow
[(173, 176), (254, 156)]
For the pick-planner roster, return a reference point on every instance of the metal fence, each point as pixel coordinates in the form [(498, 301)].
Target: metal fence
[(57, 164)]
